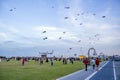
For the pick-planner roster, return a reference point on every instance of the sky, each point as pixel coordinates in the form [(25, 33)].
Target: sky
[(68, 27)]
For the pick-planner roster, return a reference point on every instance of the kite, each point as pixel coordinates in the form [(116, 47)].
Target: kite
[(60, 37), (82, 13), (70, 48), (44, 32), (97, 35), (67, 7), (94, 14), (81, 23), (44, 38), (79, 41), (66, 17), (78, 14), (64, 32), (75, 18), (103, 16), (11, 9)]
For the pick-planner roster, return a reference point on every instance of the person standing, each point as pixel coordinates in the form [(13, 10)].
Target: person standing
[(86, 63), (97, 63), (41, 61), (23, 61), (51, 61), (47, 60)]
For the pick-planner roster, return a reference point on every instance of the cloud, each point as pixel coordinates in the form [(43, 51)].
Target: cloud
[(45, 28), (3, 35), (35, 35), (8, 42)]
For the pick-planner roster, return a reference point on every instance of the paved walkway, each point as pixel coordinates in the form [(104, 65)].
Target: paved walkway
[(117, 69), (80, 75), (106, 73)]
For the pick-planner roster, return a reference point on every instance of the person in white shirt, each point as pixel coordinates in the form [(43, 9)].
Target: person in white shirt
[(93, 63)]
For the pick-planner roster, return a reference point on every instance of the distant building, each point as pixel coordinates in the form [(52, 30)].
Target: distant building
[(43, 55)]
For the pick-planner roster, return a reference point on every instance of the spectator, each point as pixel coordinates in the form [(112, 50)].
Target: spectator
[(23, 61), (41, 61), (51, 61)]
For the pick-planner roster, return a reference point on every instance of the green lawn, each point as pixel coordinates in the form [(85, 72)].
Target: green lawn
[(13, 70)]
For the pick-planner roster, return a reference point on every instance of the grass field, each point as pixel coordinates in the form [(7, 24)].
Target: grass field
[(13, 70)]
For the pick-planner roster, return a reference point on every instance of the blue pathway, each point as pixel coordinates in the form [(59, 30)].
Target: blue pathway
[(79, 75), (106, 73)]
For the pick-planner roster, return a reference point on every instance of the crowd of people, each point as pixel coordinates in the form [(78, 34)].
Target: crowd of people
[(47, 60), (94, 62)]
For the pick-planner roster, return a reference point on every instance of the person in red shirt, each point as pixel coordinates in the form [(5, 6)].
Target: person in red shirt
[(86, 63), (23, 61), (97, 63)]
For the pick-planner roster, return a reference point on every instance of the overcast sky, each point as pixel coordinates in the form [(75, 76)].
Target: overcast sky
[(68, 27)]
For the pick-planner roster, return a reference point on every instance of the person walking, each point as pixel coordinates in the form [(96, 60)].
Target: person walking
[(86, 63), (93, 63), (97, 63)]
